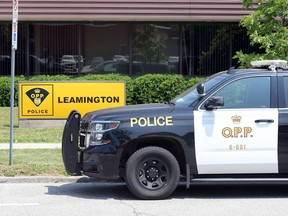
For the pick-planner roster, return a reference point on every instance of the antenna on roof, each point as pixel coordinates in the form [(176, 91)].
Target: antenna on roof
[(231, 70)]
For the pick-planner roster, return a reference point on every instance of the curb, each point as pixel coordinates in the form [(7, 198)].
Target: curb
[(39, 179), (54, 179)]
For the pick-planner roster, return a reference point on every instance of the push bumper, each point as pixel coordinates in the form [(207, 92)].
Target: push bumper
[(70, 144)]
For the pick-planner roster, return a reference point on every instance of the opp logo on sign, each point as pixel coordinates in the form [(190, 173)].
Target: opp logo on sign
[(37, 95), (36, 100)]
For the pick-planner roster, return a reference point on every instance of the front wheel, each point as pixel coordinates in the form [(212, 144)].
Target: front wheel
[(152, 173)]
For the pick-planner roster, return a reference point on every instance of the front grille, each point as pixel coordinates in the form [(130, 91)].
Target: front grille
[(82, 141), (84, 125)]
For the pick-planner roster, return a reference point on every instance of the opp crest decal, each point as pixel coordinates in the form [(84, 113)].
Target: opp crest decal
[(37, 95)]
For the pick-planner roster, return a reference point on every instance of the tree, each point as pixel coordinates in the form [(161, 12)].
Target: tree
[(267, 28), (150, 44)]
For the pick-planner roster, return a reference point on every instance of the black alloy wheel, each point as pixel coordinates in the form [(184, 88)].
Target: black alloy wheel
[(152, 173)]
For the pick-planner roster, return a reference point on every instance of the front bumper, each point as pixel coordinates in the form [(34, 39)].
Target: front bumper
[(96, 161), (104, 166)]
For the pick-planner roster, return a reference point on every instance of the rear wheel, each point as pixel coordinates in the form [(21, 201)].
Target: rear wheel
[(152, 173)]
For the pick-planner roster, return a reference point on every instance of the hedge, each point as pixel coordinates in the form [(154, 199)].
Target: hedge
[(149, 88)]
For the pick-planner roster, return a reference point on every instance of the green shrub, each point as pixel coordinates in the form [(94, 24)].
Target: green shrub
[(158, 88), (149, 88), (5, 90), (49, 78)]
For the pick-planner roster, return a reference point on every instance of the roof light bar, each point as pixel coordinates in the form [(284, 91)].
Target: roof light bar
[(267, 63)]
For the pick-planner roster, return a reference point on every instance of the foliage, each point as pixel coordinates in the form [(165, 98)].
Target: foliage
[(148, 43), (267, 28), (155, 88), (144, 89), (5, 87), (48, 78), (217, 44)]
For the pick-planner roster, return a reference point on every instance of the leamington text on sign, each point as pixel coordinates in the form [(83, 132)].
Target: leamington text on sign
[(102, 99)]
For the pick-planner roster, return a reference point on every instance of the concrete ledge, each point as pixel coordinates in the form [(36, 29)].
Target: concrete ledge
[(54, 179), (40, 123), (39, 179)]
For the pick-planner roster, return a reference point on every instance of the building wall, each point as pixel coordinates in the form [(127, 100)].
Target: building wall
[(125, 10), (192, 37)]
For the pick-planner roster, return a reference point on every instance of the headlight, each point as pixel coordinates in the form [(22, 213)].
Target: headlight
[(97, 130)]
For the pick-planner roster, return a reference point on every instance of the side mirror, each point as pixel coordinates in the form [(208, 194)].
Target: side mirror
[(214, 102), (201, 89)]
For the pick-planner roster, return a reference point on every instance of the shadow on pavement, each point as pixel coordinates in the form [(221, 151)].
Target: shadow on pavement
[(88, 189)]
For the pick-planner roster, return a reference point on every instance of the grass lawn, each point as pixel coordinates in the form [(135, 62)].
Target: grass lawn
[(32, 162), (26, 135), (29, 162)]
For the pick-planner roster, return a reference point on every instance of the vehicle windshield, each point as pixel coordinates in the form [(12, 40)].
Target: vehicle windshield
[(191, 95)]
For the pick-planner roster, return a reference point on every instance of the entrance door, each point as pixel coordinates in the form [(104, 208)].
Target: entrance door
[(240, 137)]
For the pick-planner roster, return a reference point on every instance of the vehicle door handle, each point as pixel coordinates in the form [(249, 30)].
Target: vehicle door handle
[(264, 121)]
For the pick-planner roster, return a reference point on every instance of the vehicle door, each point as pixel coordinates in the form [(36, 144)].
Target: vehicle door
[(240, 136)]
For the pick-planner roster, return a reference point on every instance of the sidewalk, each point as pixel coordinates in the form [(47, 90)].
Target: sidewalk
[(30, 145)]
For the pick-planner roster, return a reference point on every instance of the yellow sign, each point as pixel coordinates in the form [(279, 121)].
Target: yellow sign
[(55, 100)]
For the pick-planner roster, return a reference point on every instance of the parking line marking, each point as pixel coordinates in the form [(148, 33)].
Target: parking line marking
[(19, 204)]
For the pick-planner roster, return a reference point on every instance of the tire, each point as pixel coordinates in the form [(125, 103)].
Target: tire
[(152, 173)]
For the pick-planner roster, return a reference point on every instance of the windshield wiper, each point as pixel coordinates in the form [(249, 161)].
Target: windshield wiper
[(170, 103)]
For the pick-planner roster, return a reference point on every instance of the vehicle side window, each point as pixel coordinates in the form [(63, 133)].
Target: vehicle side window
[(286, 91), (252, 92)]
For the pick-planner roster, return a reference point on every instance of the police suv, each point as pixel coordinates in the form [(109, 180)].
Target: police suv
[(232, 126)]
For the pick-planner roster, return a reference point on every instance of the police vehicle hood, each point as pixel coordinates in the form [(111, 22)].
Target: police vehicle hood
[(124, 112)]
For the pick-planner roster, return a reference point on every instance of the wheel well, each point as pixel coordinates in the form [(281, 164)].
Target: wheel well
[(167, 143)]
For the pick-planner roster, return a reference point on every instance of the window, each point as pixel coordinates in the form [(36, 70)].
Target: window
[(155, 47), (253, 92), (137, 47), (286, 91)]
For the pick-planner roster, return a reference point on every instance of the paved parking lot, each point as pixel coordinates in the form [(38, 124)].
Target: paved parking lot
[(109, 199)]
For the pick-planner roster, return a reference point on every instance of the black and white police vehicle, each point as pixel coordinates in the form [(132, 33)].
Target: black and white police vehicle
[(232, 126)]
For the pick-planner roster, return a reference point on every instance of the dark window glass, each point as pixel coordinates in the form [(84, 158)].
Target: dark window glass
[(106, 48), (138, 48), (23, 62), (286, 91), (251, 92), (208, 48), (155, 48)]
